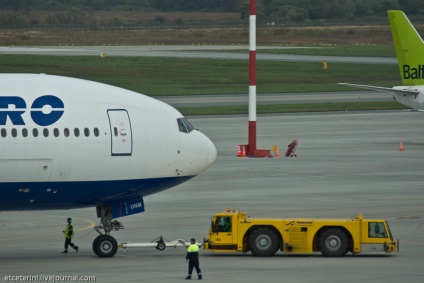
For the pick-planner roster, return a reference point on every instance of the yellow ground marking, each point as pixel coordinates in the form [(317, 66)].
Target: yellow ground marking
[(90, 224)]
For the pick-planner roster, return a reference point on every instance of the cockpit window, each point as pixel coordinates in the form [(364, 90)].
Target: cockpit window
[(184, 125), (188, 125), (181, 126)]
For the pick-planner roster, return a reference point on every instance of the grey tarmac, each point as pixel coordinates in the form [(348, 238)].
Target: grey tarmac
[(190, 51), (276, 98), (347, 163)]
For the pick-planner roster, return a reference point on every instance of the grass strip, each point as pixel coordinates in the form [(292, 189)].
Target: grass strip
[(292, 108), (184, 76)]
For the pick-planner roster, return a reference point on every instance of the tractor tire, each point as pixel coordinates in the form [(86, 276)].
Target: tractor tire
[(263, 241), (334, 242)]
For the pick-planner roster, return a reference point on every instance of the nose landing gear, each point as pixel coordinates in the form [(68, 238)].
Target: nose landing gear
[(105, 245)]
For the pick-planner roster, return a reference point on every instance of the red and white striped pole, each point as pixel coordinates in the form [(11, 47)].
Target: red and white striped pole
[(252, 79)]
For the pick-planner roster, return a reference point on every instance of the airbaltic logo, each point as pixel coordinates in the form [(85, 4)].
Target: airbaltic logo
[(45, 110), (413, 73)]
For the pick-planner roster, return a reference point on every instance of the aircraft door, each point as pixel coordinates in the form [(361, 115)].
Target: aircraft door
[(121, 134)]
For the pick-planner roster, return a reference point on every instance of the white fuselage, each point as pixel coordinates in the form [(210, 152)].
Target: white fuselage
[(108, 143)]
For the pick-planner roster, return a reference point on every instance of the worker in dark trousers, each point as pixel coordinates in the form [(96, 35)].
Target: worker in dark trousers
[(69, 234), (193, 259)]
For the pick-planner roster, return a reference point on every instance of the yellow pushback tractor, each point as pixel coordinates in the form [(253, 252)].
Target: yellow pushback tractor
[(235, 231)]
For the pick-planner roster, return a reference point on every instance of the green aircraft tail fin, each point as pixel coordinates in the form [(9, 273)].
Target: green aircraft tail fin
[(409, 48)]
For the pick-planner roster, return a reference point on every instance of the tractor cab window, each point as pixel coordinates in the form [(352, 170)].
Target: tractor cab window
[(376, 230), (222, 224)]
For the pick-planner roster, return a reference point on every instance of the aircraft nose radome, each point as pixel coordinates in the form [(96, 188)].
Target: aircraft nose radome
[(211, 152)]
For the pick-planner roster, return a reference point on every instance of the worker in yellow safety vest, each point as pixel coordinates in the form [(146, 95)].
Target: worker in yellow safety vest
[(193, 259), (69, 234)]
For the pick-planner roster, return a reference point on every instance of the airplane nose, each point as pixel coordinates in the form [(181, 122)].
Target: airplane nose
[(211, 152), (198, 153)]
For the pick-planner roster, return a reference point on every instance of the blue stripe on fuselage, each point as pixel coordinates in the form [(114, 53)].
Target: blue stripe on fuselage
[(78, 194)]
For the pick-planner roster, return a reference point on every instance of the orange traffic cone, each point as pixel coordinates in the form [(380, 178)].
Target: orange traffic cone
[(401, 146), (277, 153), (243, 151), (239, 151)]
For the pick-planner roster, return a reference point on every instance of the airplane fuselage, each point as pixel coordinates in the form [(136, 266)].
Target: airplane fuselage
[(70, 143), (415, 101)]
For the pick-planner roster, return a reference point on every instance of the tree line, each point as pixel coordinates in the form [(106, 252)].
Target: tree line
[(16, 12)]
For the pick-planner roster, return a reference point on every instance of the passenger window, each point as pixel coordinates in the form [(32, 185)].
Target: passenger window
[(56, 132), (24, 132), (96, 132), (14, 133), (115, 131), (46, 132), (66, 132), (35, 132), (76, 132), (376, 230), (86, 132), (3, 133)]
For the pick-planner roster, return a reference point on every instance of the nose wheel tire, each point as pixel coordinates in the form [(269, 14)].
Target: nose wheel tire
[(105, 246)]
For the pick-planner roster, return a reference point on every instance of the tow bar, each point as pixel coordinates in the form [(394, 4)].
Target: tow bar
[(160, 243)]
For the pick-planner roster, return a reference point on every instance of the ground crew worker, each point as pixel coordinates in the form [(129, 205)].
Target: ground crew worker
[(193, 259), (69, 234)]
